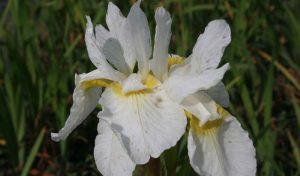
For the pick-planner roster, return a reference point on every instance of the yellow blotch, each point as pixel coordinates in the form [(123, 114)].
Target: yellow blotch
[(117, 88), (222, 112), (95, 83), (150, 83), (174, 60), (209, 125), (188, 115)]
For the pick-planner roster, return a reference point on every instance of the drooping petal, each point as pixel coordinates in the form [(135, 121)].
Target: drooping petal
[(210, 46), (219, 94), (84, 101), (221, 148), (161, 43), (141, 39), (179, 86), (113, 52), (148, 123), (110, 156), (132, 83), (94, 52)]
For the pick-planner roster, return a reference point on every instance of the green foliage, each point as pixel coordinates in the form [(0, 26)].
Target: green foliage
[(42, 47)]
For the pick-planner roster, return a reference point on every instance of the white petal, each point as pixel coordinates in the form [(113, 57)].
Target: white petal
[(94, 52), (111, 48), (180, 86), (98, 74), (161, 44), (111, 159), (201, 106), (132, 83), (101, 35), (116, 23), (223, 151), (84, 102), (113, 52), (210, 46), (141, 38), (219, 94), (114, 19), (180, 69), (128, 46), (148, 123), (120, 29)]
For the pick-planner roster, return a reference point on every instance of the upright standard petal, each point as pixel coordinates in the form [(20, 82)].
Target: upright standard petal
[(120, 29), (219, 94), (141, 39), (113, 52), (95, 54), (221, 148), (84, 101), (180, 86), (210, 46), (161, 44), (102, 35), (114, 19), (111, 158), (148, 123)]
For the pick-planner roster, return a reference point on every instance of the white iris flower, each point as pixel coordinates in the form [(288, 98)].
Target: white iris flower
[(145, 112)]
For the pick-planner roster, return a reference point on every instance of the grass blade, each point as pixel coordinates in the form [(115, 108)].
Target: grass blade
[(33, 153)]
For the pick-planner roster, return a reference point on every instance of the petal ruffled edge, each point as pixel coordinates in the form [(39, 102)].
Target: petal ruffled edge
[(210, 46)]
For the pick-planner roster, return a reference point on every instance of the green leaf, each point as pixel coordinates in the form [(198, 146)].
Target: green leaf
[(33, 153)]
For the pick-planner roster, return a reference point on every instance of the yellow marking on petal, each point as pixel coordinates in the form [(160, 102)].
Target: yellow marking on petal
[(117, 88), (222, 112), (188, 115), (174, 61), (150, 83), (144, 91), (207, 127), (95, 83)]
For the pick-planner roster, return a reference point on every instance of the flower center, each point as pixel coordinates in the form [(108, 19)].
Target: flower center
[(209, 125), (150, 83)]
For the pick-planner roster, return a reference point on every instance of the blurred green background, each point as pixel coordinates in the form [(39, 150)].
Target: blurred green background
[(42, 47)]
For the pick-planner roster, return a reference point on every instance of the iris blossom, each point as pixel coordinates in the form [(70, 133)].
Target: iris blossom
[(147, 97)]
